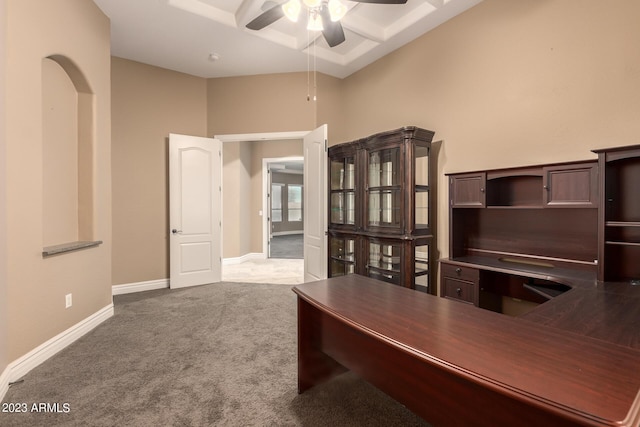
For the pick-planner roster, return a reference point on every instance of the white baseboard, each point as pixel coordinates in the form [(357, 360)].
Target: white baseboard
[(243, 258), (21, 366), (4, 383), (129, 288), (287, 233)]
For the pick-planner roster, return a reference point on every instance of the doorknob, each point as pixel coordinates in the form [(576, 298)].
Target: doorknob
[(174, 231)]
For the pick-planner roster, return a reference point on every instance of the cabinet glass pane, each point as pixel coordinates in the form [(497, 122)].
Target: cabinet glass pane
[(384, 208), (422, 165), (422, 209), (384, 167), (421, 271), (343, 249), (350, 208), (340, 268), (384, 256), (337, 208), (343, 174), (422, 259), (343, 208)]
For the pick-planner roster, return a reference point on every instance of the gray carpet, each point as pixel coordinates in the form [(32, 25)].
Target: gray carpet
[(287, 246), (214, 355)]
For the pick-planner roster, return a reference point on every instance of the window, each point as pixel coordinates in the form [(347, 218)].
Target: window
[(276, 202), (294, 205)]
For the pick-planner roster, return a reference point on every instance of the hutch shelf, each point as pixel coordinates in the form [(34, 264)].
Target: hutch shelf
[(619, 222), (381, 205)]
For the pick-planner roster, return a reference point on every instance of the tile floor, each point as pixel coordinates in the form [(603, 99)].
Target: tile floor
[(277, 271)]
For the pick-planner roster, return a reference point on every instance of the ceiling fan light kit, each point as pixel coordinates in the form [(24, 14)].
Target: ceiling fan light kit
[(292, 9), (323, 15), (314, 23), (337, 10)]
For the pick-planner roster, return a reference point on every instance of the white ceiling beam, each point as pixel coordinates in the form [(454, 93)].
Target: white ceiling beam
[(206, 11)]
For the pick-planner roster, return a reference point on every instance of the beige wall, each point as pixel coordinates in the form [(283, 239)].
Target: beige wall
[(236, 185), (36, 287), (148, 104), (510, 83), (4, 319), (259, 104)]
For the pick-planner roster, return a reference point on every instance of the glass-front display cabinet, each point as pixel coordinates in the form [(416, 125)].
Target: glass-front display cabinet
[(381, 203)]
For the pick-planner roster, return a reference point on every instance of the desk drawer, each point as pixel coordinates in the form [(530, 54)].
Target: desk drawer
[(458, 289), (463, 273)]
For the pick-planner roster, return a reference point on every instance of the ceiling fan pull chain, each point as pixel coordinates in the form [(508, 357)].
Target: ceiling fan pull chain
[(308, 68), (315, 68)]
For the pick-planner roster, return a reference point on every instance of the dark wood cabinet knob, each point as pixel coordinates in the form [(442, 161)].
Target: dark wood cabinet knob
[(458, 270)]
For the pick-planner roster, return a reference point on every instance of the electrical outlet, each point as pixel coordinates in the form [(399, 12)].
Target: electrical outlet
[(68, 301)]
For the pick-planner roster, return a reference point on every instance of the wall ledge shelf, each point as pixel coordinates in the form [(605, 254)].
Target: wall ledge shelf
[(48, 251)]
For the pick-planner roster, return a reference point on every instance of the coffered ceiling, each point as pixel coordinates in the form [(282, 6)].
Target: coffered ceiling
[(208, 38)]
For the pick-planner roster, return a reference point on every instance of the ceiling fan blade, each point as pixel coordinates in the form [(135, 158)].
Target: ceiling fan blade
[(333, 32), (267, 18), (381, 1)]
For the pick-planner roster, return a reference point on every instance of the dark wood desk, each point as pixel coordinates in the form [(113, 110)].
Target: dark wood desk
[(455, 364)]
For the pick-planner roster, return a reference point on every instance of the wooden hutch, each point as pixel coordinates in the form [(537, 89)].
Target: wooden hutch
[(532, 233)]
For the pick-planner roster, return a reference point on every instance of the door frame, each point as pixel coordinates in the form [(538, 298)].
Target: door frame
[(260, 136)]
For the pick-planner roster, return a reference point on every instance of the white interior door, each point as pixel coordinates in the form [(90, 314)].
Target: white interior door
[(269, 212), (195, 209), (315, 204)]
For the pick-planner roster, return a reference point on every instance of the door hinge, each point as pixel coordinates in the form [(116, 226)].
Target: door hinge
[(325, 146)]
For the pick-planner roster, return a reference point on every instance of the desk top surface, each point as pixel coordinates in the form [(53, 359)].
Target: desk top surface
[(609, 311), (590, 378)]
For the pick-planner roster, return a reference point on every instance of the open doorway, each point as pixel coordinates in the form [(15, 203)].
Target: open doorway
[(284, 219), (242, 217)]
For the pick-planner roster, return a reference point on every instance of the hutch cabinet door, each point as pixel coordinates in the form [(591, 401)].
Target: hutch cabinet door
[(384, 260), (422, 176), (384, 199), (342, 188), (571, 185), (342, 254), (468, 190)]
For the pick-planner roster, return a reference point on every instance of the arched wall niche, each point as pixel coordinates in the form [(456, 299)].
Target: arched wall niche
[(68, 141)]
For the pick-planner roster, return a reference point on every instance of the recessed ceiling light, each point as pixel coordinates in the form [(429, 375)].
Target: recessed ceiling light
[(213, 57)]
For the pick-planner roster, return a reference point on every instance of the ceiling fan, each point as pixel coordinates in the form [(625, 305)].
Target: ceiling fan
[(323, 15)]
